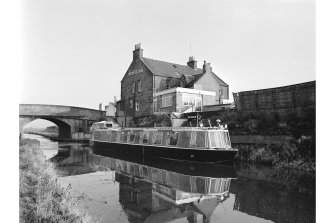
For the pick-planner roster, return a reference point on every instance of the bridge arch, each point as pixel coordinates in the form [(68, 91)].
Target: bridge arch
[(69, 119), (65, 129)]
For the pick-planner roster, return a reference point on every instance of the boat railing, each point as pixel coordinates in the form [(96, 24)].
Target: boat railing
[(175, 128)]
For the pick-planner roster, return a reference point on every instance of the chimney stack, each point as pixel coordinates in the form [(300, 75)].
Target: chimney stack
[(138, 52), (206, 67), (100, 107), (192, 63)]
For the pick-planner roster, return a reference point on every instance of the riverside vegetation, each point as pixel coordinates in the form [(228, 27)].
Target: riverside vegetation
[(42, 198), (298, 153)]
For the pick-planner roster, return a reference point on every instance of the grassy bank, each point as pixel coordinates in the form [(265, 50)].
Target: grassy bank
[(42, 199), (296, 154)]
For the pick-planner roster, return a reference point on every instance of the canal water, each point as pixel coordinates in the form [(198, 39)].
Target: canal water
[(120, 189)]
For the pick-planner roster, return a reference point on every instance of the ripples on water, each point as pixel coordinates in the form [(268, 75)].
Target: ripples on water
[(160, 191)]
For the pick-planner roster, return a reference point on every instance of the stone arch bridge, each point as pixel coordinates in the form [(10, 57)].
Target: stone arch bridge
[(70, 120)]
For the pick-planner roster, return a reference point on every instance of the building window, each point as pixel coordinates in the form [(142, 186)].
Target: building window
[(198, 104), (137, 106), (166, 101), (221, 90), (133, 88), (155, 105), (168, 83), (139, 86), (188, 101), (131, 103)]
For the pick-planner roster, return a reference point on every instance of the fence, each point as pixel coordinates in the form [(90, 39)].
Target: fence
[(290, 97)]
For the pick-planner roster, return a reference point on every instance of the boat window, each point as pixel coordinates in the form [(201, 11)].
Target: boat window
[(103, 136), (118, 137), (113, 136), (215, 185), (184, 139), (171, 179), (96, 135), (173, 138), (137, 137), (124, 138), (157, 175), (227, 143), (124, 167), (109, 135), (166, 138), (157, 138), (212, 139), (145, 172), (150, 137), (201, 139), (193, 139), (144, 137), (137, 170), (109, 125), (193, 184), (202, 185), (217, 139), (131, 137), (128, 137), (131, 169)]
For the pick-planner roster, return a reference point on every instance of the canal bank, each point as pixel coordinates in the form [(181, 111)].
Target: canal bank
[(277, 151), (42, 199), (258, 194)]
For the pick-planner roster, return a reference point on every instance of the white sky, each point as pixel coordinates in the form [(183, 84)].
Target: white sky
[(75, 52)]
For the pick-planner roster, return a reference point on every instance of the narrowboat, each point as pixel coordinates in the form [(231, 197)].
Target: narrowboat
[(192, 144)]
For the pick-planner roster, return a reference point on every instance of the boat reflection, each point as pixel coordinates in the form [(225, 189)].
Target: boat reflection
[(162, 193)]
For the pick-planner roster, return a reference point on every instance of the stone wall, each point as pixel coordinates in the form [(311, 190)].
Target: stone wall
[(137, 72)]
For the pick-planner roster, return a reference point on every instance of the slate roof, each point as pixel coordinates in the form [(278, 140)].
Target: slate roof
[(173, 70), (166, 69)]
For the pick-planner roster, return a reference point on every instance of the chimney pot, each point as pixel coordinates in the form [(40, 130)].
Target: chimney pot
[(138, 52), (206, 67), (192, 63)]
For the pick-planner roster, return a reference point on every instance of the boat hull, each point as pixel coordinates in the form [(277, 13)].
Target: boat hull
[(136, 151)]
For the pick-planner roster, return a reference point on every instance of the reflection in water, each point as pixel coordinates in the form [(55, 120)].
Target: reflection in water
[(73, 159), (276, 195), (49, 148), (161, 191), (150, 194)]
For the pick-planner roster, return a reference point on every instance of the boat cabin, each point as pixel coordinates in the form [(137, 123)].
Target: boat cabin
[(201, 138)]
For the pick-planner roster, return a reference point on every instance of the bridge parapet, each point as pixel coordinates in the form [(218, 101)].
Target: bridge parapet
[(61, 111)]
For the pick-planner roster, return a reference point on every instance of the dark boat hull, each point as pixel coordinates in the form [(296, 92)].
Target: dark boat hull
[(136, 151)]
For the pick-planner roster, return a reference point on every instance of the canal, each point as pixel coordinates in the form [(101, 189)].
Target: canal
[(157, 191)]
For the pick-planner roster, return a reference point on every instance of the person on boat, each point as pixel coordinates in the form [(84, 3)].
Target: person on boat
[(218, 121), (209, 123), (145, 140)]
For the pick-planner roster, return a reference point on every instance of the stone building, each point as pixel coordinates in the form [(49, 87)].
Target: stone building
[(151, 86)]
